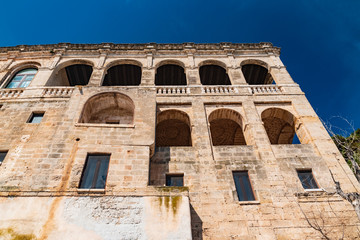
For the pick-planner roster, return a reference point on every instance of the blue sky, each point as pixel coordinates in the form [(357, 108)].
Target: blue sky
[(320, 40)]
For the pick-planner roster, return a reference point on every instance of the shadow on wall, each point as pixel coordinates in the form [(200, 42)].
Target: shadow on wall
[(159, 166), (196, 224)]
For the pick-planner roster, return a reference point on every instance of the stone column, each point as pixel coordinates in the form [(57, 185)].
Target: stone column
[(281, 75), (193, 76), (236, 76), (148, 77), (41, 77), (97, 77)]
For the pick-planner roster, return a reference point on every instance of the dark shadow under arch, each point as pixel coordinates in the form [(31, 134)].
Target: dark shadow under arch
[(123, 75), (226, 127), (213, 75), (279, 125), (170, 74), (173, 129)]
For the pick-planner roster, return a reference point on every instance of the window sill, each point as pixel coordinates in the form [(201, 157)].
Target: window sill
[(104, 125), (249, 202), (90, 190), (315, 190)]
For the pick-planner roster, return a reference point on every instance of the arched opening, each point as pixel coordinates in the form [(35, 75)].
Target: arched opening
[(108, 108), (279, 125), (123, 75), (173, 129), (213, 75), (170, 74), (226, 127), (255, 74), (72, 75), (22, 78)]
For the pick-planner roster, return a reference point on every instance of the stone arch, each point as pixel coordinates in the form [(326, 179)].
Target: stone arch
[(256, 72), (72, 72), (170, 62), (170, 72), (108, 108), (213, 72), (226, 127), (213, 62), (122, 61), (17, 68), (123, 73), (279, 125), (173, 129)]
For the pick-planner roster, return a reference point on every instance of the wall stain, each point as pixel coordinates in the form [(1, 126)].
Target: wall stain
[(10, 234), (49, 224)]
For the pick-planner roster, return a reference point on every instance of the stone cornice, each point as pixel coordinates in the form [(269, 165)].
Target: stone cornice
[(216, 48)]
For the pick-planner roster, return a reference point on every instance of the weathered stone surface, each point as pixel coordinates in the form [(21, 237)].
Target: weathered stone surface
[(40, 175)]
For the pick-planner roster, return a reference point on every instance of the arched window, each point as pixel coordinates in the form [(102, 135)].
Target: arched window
[(226, 127), (108, 108), (213, 75), (170, 74), (173, 129), (75, 74), (123, 75), (279, 125), (22, 78), (256, 75)]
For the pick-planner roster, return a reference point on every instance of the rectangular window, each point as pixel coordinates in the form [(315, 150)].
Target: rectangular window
[(36, 117), (2, 156), (175, 180), (95, 171), (243, 186), (307, 179)]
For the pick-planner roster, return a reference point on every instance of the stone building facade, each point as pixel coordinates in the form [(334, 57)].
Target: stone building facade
[(164, 141)]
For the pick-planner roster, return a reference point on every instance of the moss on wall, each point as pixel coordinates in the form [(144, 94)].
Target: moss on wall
[(9, 233)]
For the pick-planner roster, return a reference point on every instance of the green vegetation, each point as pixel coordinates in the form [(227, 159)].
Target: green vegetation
[(350, 149)]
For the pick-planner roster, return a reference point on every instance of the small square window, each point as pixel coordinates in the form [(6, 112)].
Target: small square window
[(243, 186), (36, 117), (175, 180), (2, 156), (95, 171), (307, 179)]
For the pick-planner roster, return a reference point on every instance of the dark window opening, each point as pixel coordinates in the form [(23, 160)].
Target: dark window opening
[(170, 74), (123, 75), (256, 74), (243, 186), (2, 156), (175, 180), (78, 74), (213, 75), (36, 118), (307, 179), (112, 122), (95, 171)]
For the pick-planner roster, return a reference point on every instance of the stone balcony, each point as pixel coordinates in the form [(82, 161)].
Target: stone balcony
[(161, 91)]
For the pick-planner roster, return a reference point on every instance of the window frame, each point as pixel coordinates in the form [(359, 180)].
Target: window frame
[(254, 200), (24, 76), (6, 153), (313, 177), (33, 114), (168, 175), (96, 172)]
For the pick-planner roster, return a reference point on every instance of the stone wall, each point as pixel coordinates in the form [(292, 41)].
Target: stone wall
[(40, 196)]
